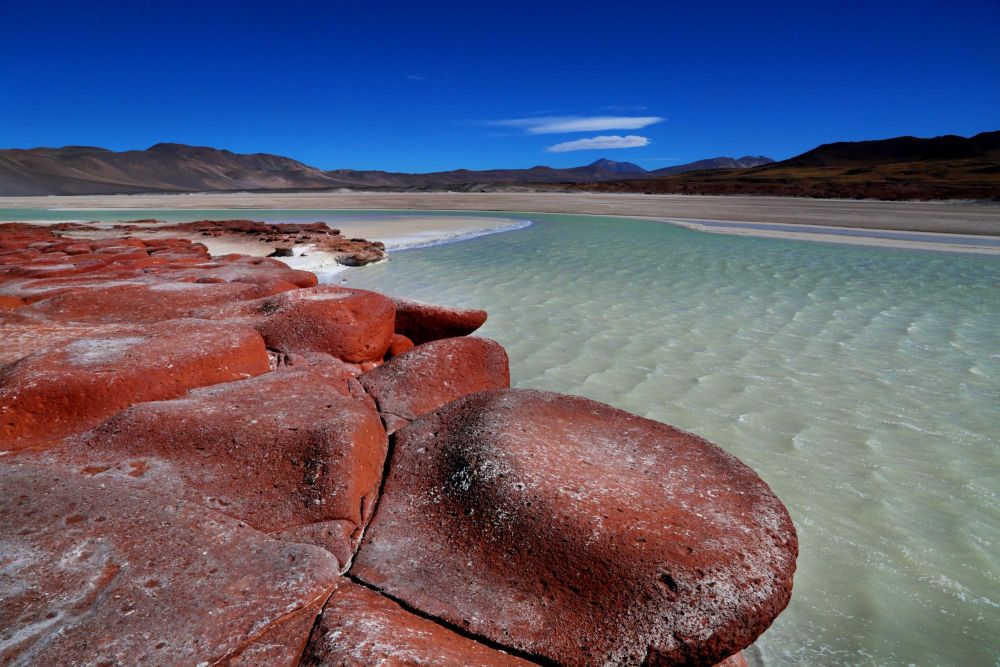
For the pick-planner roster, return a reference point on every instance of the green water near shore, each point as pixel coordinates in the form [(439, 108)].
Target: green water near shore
[(863, 384)]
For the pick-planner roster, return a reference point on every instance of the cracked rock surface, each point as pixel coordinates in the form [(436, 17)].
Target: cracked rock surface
[(214, 460), (571, 530)]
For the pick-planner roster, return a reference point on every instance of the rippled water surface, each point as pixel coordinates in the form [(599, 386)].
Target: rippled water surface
[(863, 384)]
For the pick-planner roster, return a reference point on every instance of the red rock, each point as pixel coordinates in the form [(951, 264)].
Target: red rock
[(24, 335), (360, 627), (243, 269), (435, 373), (100, 573), (366, 366), (57, 267), (583, 534), (8, 302), (399, 345), (423, 322), (298, 451), (352, 325), (72, 386), (131, 302)]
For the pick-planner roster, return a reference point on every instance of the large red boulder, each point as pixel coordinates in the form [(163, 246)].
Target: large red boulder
[(360, 627), (570, 530), (423, 322), (353, 325), (73, 385), (435, 373), (97, 572), (297, 452)]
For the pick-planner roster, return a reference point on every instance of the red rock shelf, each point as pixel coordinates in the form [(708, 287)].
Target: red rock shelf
[(214, 460)]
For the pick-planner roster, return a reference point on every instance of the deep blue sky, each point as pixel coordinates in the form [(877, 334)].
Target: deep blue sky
[(413, 86)]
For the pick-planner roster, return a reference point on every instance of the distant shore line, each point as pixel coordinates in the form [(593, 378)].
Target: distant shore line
[(951, 217), (941, 226)]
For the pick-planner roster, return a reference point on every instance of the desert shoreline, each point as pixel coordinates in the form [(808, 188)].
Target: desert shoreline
[(976, 218)]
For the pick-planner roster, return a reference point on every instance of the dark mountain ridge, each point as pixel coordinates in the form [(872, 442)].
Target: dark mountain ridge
[(946, 167), (985, 145), (171, 167)]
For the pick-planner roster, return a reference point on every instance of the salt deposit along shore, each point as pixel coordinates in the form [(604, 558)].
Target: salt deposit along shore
[(214, 460), (972, 227), (309, 246)]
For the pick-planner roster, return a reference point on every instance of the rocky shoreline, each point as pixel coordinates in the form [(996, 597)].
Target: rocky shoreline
[(215, 460), (250, 237)]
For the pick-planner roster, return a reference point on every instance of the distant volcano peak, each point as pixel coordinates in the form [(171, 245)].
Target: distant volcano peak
[(617, 167)]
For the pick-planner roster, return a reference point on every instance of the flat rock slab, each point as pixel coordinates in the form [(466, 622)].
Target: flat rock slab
[(424, 322), (579, 533), (159, 300), (74, 385), (95, 572), (361, 628), (298, 452), (430, 375)]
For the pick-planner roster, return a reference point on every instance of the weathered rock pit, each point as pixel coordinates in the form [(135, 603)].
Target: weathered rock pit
[(196, 469)]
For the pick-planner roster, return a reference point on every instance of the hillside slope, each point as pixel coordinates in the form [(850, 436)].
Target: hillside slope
[(82, 170), (948, 167)]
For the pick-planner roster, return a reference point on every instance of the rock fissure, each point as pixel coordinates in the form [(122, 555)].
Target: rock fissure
[(236, 651), (485, 641)]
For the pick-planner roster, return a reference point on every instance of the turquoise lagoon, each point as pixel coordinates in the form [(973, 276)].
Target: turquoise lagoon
[(863, 384)]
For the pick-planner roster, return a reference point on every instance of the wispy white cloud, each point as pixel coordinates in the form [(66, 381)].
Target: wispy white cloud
[(566, 124), (414, 77), (593, 143), (620, 108)]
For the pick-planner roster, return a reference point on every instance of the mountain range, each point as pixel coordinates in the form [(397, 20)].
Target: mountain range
[(945, 167), (166, 167)]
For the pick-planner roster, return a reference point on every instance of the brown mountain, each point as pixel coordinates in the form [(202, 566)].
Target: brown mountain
[(75, 170), (714, 163), (80, 170), (947, 167)]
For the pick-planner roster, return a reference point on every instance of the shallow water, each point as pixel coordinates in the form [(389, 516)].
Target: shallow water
[(863, 384)]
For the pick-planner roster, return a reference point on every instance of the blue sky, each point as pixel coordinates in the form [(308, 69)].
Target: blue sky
[(420, 86)]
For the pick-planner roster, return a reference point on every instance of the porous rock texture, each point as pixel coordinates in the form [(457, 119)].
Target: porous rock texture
[(95, 572), (570, 530), (195, 469), (308, 436)]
